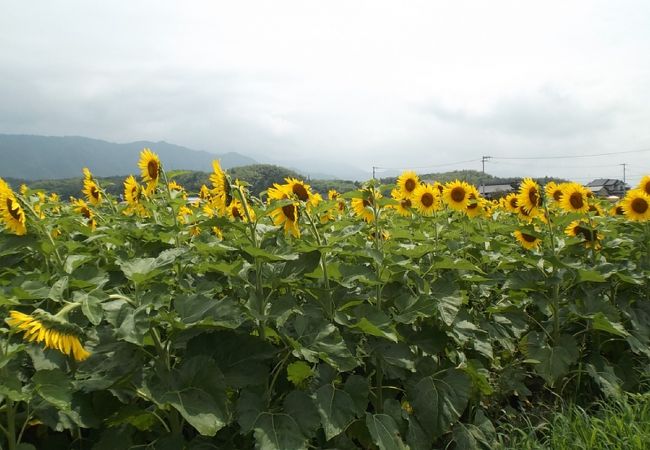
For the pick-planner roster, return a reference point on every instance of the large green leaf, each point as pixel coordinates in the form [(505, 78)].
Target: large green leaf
[(439, 400), (54, 386), (384, 432), (551, 361), (196, 390), (336, 408)]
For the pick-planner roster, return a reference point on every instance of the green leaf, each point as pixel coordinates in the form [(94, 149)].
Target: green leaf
[(54, 387), (197, 308), (600, 322), (196, 390), (553, 362), (384, 432), (301, 407), (58, 288), (74, 261), (336, 408), (298, 372), (439, 400), (92, 308), (590, 275)]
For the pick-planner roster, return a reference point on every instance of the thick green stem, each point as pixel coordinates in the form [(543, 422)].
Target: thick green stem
[(11, 425), (379, 380), (320, 240)]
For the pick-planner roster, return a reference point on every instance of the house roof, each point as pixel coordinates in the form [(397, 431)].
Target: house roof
[(495, 188), (599, 182)]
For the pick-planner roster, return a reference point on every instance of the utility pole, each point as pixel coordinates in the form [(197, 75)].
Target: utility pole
[(373, 172), (483, 160), (624, 164)]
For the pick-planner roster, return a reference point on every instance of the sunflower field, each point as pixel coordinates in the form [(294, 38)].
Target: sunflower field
[(410, 316)]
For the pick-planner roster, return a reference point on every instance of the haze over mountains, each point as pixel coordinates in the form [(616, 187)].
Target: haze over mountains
[(48, 157)]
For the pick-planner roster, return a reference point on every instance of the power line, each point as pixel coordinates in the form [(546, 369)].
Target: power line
[(427, 167), (573, 156)]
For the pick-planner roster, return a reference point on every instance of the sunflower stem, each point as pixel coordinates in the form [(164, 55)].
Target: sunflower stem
[(63, 312), (11, 425), (321, 240)]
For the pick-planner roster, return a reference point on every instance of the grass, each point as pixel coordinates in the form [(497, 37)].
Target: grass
[(620, 424)]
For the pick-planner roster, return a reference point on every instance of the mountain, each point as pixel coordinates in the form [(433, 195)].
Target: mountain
[(48, 157)]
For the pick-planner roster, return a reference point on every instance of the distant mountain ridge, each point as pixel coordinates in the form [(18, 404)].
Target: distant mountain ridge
[(32, 157)]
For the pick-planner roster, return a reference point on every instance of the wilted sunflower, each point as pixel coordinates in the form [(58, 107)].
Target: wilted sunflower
[(456, 194), (644, 184), (11, 212), (407, 183), (527, 241), (52, 331), (426, 199), (530, 195), (150, 169), (574, 198), (579, 228), (636, 205), (553, 191)]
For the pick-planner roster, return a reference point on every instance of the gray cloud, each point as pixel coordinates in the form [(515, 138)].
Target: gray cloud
[(545, 113)]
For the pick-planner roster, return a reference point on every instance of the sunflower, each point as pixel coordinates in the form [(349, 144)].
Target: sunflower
[(404, 204), (617, 210), (426, 199), (52, 331), (527, 241), (596, 209), (530, 195), (553, 191), (11, 212), (92, 192), (81, 207), (511, 202), (407, 183), (529, 216), (574, 198), (644, 184), (456, 194), (217, 232), (362, 207), (287, 216), (87, 173), (132, 191), (474, 204), (235, 210), (578, 228), (636, 205), (150, 168)]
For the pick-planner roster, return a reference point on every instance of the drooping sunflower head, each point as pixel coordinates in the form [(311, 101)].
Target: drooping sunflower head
[(362, 208), (574, 198), (54, 332), (92, 192), (426, 199), (407, 183), (511, 202), (11, 212), (644, 184), (636, 205), (287, 216), (579, 228), (404, 205), (456, 195), (220, 183), (529, 196), (150, 168), (527, 241)]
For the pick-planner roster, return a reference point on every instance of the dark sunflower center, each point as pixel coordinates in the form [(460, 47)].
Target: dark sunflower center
[(85, 212), (557, 195), (592, 208), (523, 211), (586, 233), (619, 211), (441, 188), (94, 192), (528, 237), (152, 169), (534, 198), (646, 188), (300, 191), (290, 212), (15, 212), (513, 202), (406, 203), (409, 185), (458, 194), (236, 213), (367, 202), (639, 205), (576, 200), (427, 199)]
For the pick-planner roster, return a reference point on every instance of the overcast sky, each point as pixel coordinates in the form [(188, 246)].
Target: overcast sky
[(327, 83)]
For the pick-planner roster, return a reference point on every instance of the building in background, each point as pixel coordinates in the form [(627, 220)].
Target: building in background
[(606, 187)]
